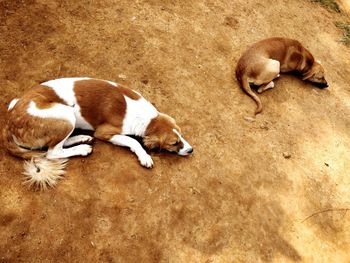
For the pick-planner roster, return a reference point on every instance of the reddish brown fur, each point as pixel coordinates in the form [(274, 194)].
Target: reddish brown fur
[(102, 104), (290, 53), (160, 135), (253, 66), (20, 124)]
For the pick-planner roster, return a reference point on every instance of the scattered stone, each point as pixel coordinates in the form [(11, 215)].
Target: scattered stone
[(326, 164), (264, 126), (287, 155), (122, 76), (144, 81), (231, 22), (249, 119), (194, 191), (92, 243)]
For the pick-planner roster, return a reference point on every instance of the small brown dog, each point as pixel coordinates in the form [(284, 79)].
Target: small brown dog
[(264, 60)]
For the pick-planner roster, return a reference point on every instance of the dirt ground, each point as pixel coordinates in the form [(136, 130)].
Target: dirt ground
[(236, 199)]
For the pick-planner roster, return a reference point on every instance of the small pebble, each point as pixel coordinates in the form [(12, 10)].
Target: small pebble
[(287, 155), (326, 164), (264, 126), (249, 119), (144, 81), (122, 76)]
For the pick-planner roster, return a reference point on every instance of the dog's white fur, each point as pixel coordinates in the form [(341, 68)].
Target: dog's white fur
[(137, 118)]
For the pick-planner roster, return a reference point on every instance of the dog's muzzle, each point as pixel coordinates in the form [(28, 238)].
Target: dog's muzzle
[(186, 149), (321, 85), (184, 152)]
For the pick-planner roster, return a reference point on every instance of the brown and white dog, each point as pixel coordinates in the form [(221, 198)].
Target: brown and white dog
[(263, 61), (47, 114)]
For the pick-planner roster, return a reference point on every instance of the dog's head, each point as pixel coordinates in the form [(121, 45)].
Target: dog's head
[(162, 133), (316, 75)]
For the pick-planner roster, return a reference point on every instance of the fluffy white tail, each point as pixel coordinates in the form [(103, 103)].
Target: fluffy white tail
[(41, 173)]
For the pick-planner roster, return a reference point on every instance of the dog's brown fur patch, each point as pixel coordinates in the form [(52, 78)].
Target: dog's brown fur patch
[(160, 135), (19, 123), (104, 103)]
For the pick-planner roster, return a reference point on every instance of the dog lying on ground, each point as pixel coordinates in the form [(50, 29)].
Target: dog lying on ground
[(264, 60), (47, 114)]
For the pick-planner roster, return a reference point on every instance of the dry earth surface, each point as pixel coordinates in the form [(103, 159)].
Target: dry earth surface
[(236, 199)]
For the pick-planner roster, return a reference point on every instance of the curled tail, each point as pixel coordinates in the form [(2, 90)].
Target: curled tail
[(243, 80), (40, 173)]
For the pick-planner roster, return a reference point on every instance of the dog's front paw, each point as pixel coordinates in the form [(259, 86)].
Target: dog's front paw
[(146, 160)]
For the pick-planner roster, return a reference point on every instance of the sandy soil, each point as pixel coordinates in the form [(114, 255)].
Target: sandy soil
[(237, 199), (345, 5)]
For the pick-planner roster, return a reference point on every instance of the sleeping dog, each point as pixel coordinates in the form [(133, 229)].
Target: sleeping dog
[(264, 60), (47, 114)]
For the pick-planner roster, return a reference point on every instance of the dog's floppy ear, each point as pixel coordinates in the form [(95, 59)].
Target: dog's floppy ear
[(154, 141), (151, 142), (309, 73)]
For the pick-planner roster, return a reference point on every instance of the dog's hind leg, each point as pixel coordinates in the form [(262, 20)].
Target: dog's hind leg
[(110, 133), (268, 86), (78, 139), (272, 70), (58, 123), (57, 151)]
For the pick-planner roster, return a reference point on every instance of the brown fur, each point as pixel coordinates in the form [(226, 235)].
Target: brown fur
[(102, 104), (108, 122), (19, 134), (258, 64), (159, 134)]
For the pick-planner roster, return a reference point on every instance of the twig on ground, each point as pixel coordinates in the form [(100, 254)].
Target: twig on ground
[(326, 210)]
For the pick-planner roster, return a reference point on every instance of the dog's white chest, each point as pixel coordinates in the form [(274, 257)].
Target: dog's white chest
[(138, 115)]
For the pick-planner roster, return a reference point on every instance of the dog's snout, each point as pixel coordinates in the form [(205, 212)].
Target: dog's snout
[(324, 85), (321, 85), (190, 150)]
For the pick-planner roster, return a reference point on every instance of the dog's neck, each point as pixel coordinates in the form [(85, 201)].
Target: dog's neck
[(139, 115)]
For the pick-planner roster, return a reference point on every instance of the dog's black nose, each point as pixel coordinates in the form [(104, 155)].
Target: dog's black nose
[(190, 150), (321, 85)]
